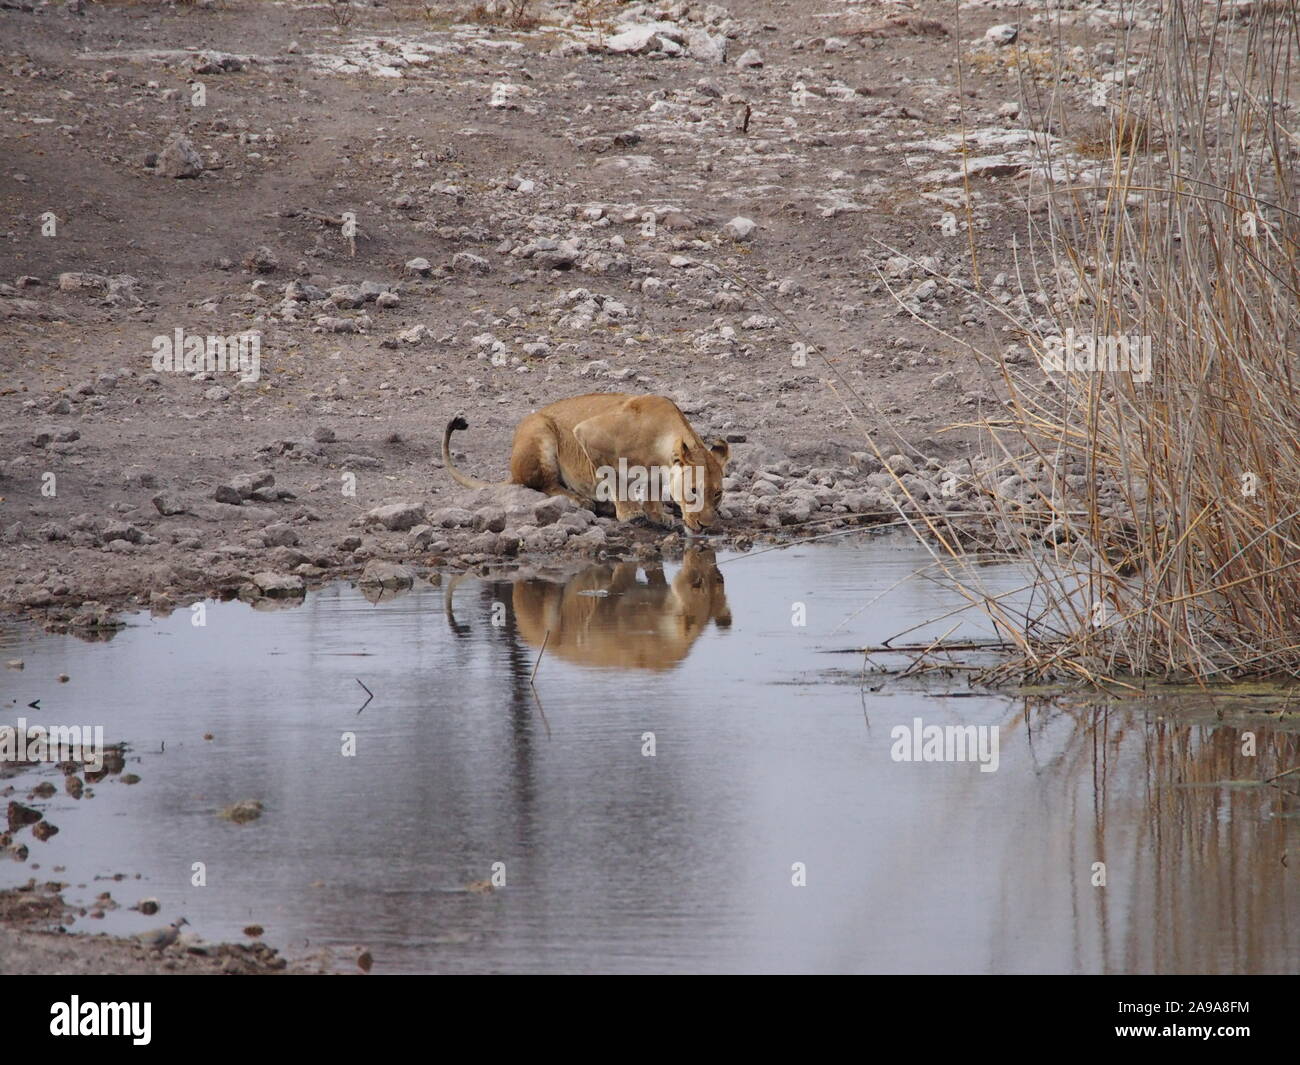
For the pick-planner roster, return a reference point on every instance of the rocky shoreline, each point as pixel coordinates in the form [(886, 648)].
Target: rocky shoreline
[(276, 550), (34, 942)]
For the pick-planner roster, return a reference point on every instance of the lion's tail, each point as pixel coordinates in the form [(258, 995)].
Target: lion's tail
[(455, 425)]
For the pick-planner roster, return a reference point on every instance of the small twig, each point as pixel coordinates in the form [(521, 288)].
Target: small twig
[(929, 648), (809, 539), (539, 658), (1287, 773), (908, 648)]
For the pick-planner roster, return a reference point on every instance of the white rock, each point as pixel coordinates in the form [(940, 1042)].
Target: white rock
[(1002, 35), (505, 96), (740, 228), (706, 46), (649, 37), (398, 517)]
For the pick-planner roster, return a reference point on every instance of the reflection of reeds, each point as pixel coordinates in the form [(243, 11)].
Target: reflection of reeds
[(1166, 529), (1192, 837)]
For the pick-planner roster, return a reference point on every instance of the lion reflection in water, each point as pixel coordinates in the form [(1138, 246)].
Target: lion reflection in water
[(605, 616)]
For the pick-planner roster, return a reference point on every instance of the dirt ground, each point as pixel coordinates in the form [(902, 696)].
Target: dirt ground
[(540, 211), (29, 946)]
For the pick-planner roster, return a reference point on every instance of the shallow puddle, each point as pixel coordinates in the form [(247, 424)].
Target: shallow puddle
[(771, 763)]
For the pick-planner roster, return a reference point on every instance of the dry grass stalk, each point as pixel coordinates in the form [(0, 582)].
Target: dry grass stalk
[(1166, 539)]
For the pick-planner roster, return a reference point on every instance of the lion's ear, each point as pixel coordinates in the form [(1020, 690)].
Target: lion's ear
[(680, 453), (721, 449)]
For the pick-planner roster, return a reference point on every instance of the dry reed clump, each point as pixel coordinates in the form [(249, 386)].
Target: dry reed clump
[(1121, 133), (597, 15), (342, 13), (1164, 539), (512, 13)]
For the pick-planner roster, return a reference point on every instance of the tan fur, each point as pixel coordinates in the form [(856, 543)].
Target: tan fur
[(637, 625), (559, 449)]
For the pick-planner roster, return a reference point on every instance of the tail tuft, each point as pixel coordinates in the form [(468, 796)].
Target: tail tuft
[(454, 425)]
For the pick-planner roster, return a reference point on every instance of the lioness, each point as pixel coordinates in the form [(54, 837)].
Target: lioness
[(577, 447)]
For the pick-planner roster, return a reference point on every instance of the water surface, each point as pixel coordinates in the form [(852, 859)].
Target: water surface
[(769, 751)]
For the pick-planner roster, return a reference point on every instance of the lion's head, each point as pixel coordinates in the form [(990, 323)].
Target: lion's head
[(698, 469), (700, 589)]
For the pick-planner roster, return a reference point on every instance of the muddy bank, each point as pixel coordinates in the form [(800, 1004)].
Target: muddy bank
[(100, 572), (28, 946)]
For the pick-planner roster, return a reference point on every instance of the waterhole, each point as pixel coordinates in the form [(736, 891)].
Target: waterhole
[(701, 776)]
